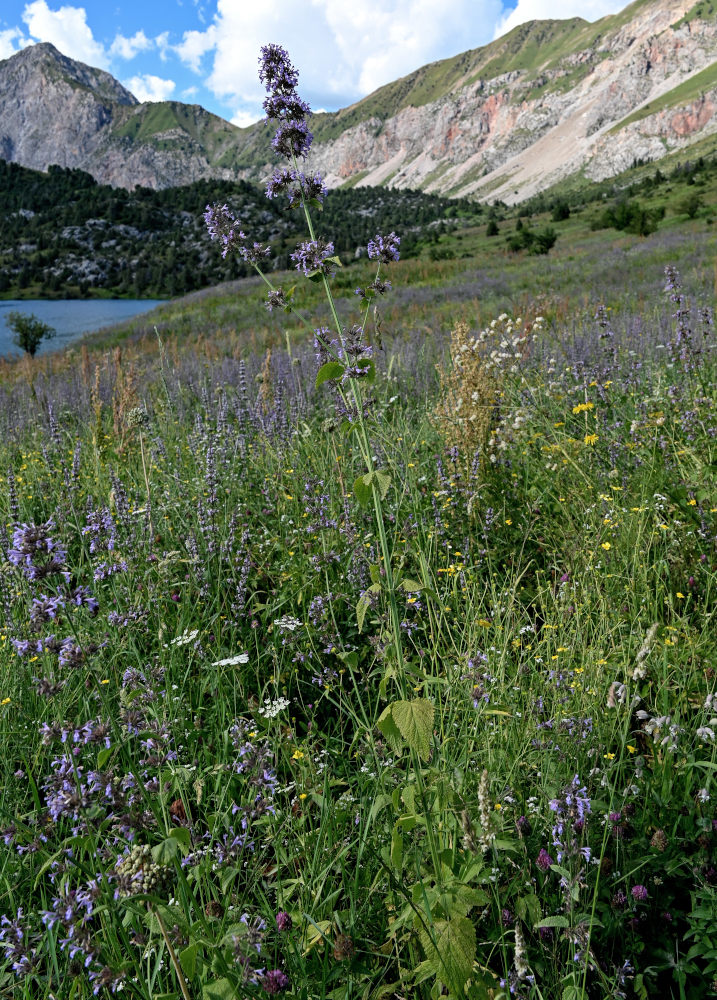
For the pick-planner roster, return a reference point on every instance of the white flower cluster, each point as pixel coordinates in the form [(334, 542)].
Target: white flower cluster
[(270, 709), (232, 661), (506, 342), (185, 638), (287, 624)]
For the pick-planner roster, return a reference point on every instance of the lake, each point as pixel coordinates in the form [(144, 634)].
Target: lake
[(69, 317)]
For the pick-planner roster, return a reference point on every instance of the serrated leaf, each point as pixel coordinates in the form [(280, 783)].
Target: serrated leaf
[(389, 728), (220, 989), (452, 949), (188, 960), (383, 482), (331, 370), (375, 573), (414, 720), (363, 489), (411, 586), (166, 852), (556, 921)]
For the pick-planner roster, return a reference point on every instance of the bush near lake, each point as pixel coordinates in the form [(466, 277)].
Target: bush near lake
[(373, 669)]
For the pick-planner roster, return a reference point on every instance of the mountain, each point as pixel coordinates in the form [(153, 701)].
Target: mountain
[(504, 121)]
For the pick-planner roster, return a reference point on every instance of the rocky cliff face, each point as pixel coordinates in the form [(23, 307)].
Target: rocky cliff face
[(504, 121), (635, 90)]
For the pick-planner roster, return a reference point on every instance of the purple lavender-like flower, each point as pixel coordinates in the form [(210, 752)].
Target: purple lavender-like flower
[(35, 552), (543, 860), (639, 893), (16, 942), (286, 107), (384, 248), (254, 254), (312, 256), (276, 71), (281, 180), (223, 225), (283, 921), (275, 982), (570, 809), (292, 138)]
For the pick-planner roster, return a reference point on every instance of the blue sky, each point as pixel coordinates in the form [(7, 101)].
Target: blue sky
[(206, 51)]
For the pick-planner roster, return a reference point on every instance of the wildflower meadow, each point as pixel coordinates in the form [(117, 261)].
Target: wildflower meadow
[(364, 666)]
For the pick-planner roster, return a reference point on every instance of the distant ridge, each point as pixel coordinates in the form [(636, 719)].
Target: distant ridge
[(504, 121)]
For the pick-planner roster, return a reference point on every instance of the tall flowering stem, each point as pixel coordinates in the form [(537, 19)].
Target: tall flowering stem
[(316, 259)]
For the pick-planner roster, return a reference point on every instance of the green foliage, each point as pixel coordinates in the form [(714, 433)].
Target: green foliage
[(28, 331)]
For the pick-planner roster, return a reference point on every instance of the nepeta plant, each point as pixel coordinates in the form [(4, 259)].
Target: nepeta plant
[(440, 919)]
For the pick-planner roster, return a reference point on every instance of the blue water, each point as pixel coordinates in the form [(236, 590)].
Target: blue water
[(69, 317)]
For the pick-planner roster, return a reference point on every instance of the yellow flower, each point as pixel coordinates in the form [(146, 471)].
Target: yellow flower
[(5, 701), (581, 407), (302, 796), (297, 754), (606, 546), (609, 756), (590, 439), (680, 595), (631, 748)]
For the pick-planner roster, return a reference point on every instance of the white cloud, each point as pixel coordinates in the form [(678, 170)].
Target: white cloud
[(194, 45), (539, 10), (188, 93), (342, 51), (146, 87), (11, 41), (242, 119), (127, 48), (67, 29)]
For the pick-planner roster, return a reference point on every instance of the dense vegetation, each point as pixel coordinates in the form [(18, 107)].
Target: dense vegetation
[(371, 660), (65, 235)]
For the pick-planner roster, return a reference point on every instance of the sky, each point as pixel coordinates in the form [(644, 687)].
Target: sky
[(206, 51)]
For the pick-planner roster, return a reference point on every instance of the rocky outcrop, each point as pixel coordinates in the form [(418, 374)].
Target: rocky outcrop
[(504, 122)]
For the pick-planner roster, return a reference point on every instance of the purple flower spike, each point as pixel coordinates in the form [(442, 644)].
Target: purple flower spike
[(275, 982), (543, 860), (275, 70), (384, 248), (639, 893)]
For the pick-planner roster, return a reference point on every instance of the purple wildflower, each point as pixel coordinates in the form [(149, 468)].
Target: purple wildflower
[(276, 71), (384, 248), (543, 860), (283, 921), (639, 893), (313, 256), (275, 981), (292, 138), (35, 552), (276, 299), (223, 225)]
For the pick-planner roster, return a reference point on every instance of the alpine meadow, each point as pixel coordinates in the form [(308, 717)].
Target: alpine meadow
[(357, 614)]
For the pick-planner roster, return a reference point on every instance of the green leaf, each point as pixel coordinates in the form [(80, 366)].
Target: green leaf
[(411, 586), (166, 852), (362, 607), (181, 834), (375, 573), (389, 728), (103, 756), (335, 260), (220, 989), (383, 481), (414, 720), (349, 658), (452, 949), (363, 490), (553, 922), (528, 908), (331, 370), (188, 960)]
